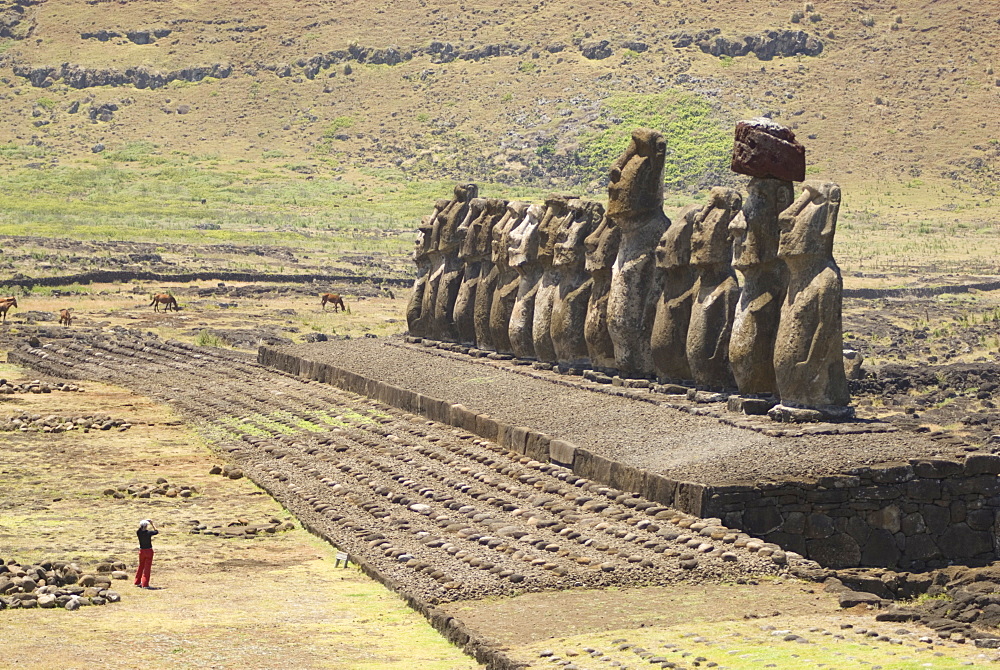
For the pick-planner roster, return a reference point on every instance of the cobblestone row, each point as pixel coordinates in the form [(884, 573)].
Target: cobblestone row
[(439, 510)]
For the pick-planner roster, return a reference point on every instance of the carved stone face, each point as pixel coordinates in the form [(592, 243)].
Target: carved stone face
[(674, 248), (496, 209), (524, 238), (809, 224), (436, 222), (583, 220), (501, 231), (753, 231), (421, 246), (469, 228), (602, 246), (556, 214), (636, 179), (466, 192), (710, 236)]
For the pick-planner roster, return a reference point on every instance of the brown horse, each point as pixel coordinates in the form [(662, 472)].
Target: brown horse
[(66, 317), (6, 304), (166, 300), (334, 299)]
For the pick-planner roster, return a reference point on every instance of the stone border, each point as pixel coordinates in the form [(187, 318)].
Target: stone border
[(920, 515)]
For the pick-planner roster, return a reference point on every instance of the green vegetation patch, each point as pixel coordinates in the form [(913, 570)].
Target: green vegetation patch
[(699, 141)]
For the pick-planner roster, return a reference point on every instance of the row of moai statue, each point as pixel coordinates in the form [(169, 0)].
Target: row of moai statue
[(621, 289)]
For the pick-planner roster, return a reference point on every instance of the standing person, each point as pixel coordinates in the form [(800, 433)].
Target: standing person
[(145, 534)]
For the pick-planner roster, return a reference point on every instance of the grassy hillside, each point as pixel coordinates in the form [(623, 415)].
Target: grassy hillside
[(125, 116)]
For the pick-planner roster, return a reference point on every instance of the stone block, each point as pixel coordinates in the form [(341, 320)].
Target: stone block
[(689, 497), (536, 446), (960, 541), (795, 524), (487, 427), (562, 452), (937, 518), (763, 148), (980, 519), (762, 520), (924, 489), (592, 466), (818, 526), (788, 541), (896, 474), (825, 496), (839, 481), (836, 551), (982, 464), (659, 489), (880, 550), (518, 439), (887, 518), (935, 468), (627, 477)]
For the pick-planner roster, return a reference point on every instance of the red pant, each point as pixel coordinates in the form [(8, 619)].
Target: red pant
[(145, 564)]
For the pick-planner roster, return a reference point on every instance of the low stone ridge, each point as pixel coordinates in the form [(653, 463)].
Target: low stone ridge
[(160, 488), (767, 45), (54, 584), (53, 423), (241, 528), (37, 386)]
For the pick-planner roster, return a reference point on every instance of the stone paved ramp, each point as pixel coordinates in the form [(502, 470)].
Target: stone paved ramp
[(636, 427), (434, 512)]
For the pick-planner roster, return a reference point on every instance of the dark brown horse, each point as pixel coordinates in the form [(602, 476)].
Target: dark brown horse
[(334, 299), (6, 304), (66, 317), (168, 301)]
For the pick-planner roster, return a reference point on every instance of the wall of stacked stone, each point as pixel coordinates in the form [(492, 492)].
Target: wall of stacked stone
[(919, 515)]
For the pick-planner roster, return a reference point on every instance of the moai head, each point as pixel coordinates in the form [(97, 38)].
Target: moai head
[(556, 213), (469, 227), (710, 236), (635, 183), (451, 235), (436, 222), (809, 224), (584, 217), (501, 231), (524, 238), (602, 245), (674, 248), (421, 246), (494, 213), (754, 231)]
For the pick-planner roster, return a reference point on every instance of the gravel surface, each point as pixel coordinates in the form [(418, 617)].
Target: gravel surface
[(677, 444), (437, 512)]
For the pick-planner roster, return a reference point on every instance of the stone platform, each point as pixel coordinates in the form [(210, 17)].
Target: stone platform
[(827, 491)]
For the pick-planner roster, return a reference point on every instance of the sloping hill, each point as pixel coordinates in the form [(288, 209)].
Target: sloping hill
[(897, 101)]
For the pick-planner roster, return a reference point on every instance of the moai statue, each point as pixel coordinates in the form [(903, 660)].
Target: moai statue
[(507, 281), (601, 250), (465, 302), (415, 323), (496, 210), (524, 259), (808, 353), (436, 268), (569, 311), (635, 207), (678, 286), (449, 242), (556, 214), (773, 158), (717, 290)]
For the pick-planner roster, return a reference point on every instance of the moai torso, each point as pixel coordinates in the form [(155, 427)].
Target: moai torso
[(435, 261), (635, 206), (717, 291), (496, 210), (677, 291), (449, 242), (465, 302), (569, 310), (524, 260), (754, 234), (601, 250), (507, 281), (415, 325), (808, 354), (556, 214)]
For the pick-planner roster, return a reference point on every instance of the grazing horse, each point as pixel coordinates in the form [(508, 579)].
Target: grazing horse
[(6, 304), (166, 300), (66, 316), (334, 299)]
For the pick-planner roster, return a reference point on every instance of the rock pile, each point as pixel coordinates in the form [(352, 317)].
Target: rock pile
[(55, 583), (60, 423), (241, 528), (160, 488), (227, 470), (36, 386)]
